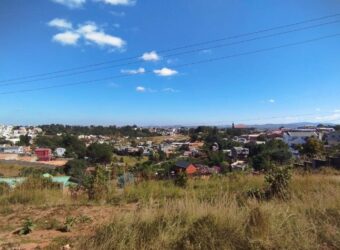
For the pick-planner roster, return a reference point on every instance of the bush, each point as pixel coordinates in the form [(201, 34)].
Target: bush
[(181, 179), (96, 185), (277, 180), (68, 224), (27, 227), (277, 183)]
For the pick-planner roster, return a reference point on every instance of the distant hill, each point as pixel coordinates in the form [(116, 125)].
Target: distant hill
[(286, 125)]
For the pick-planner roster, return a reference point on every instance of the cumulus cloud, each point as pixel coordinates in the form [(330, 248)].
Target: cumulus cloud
[(165, 72), (71, 3), (89, 31), (118, 2), (133, 71), (60, 23), (102, 39), (140, 89), (150, 56), (66, 38)]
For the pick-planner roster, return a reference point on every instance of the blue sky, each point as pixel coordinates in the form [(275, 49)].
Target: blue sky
[(299, 83)]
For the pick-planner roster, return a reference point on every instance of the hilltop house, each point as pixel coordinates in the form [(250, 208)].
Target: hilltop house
[(188, 167)]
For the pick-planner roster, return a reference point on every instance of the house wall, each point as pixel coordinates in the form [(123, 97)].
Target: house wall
[(191, 169)]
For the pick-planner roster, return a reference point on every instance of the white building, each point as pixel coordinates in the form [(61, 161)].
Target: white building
[(12, 150), (299, 137), (59, 152)]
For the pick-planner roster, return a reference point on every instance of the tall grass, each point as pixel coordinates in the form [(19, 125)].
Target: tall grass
[(209, 215)]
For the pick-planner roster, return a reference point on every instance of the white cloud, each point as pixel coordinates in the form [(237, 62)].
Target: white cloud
[(60, 23), (66, 38), (150, 56), (102, 39), (170, 90), (165, 72), (140, 89), (71, 3), (89, 31), (118, 2), (271, 100), (133, 71), (87, 28), (337, 111)]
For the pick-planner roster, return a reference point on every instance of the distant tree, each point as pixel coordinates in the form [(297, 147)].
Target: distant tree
[(24, 140), (264, 155), (76, 168), (100, 153), (260, 162), (312, 148), (74, 147)]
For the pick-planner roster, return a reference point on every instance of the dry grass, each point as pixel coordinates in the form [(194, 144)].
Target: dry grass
[(208, 214), (310, 219), (9, 170)]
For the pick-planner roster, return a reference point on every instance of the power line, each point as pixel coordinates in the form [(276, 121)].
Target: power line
[(171, 55), (174, 49), (183, 65)]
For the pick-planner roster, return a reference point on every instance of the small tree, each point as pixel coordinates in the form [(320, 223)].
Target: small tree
[(277, 180), (97, 184), (312, 148), (100, 153)]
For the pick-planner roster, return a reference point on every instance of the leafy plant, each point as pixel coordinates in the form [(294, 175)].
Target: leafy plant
[(68, 224), (27, 227), (277, 180)]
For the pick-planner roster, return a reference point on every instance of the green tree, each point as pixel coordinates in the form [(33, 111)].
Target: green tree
[(76, 168), (100, 153), (96, 184), (312, 148), (24, 140)]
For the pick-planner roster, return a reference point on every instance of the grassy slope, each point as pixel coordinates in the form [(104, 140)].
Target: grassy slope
[(208, 214)]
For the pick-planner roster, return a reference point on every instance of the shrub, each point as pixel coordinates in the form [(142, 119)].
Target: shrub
[(68, 224), (277, 180), (27, 227), (181, 179), (96, 184)]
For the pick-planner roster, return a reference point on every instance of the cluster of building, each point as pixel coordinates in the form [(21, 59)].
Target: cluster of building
[(12, 133)]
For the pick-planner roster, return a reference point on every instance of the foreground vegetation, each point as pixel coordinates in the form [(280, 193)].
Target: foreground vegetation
[(216, 213)]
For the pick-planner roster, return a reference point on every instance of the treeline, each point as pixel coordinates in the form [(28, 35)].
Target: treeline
[(132, 131), (214, 134)]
